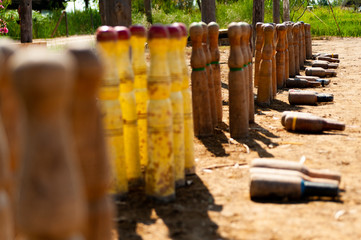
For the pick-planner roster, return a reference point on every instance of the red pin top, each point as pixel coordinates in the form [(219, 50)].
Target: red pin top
[(174, 31), (123, 33), (138, 30), (158, 31), (183, 28), (106, 33)]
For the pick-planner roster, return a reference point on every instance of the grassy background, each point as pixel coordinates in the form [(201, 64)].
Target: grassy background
[(86, 22)]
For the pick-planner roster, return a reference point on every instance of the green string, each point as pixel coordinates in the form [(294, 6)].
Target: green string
[(244, 65), (198, 69), (215, 62), (208, 64)]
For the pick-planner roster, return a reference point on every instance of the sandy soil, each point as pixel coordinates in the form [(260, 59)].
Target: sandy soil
[(216, 202)]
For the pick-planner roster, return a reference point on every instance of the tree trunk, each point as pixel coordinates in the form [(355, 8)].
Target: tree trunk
[(102, 12), (258, 16), (148, 10), (276, 11), (116, 12), (286, 10), (26, 22), (208, 11)]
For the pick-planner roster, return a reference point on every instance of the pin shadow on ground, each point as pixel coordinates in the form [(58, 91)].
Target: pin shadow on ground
[(186, 218)]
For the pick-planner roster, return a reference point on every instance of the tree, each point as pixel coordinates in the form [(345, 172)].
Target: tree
[(116, 12), (148, 10), (258, 16), (26, 22), (276, 11), (286, 10), (208, 11)]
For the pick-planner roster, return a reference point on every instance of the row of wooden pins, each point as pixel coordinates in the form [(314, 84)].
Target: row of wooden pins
[(55, 172), (162, 100), (206, 78), (280, 53), (206, 82)]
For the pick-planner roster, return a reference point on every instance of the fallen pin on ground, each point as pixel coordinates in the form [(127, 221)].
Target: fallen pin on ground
[(310, 123), (298, 97)]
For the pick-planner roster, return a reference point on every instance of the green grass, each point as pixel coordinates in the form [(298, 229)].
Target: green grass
[(80, 21), (349, 22)]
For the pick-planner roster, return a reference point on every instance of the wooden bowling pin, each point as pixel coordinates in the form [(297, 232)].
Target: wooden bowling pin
[(128, 105), (331, 55), (159, 175), (296, 41), (328, 59), (311, 124), (43, 81), (176, 73), (246, 67), (89, 142), (323, 81), (290, 113), (286, 172), (213, 32), (324, 64), (300, 45), (238, 108), (295, 166), (281, 55), (250, 72), (10, 110), (258, 51), (291, 52), (111, 111), (308, 41), (303, 43), (287, 55), (202, 118), (11, 122), (320, 72), (6, 185), (274, 65), (6, 217), (189, 164), (301, 83), (264, 93), (271, 186), (211, 89), (308, 97), (137, 41)]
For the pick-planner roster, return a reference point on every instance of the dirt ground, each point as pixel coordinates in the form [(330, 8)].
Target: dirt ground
[(216, 204)]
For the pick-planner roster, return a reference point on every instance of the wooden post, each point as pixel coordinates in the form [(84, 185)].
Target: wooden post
[(258, 16), (26, 22), (148, 10), (276, 11), (208, 11)]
